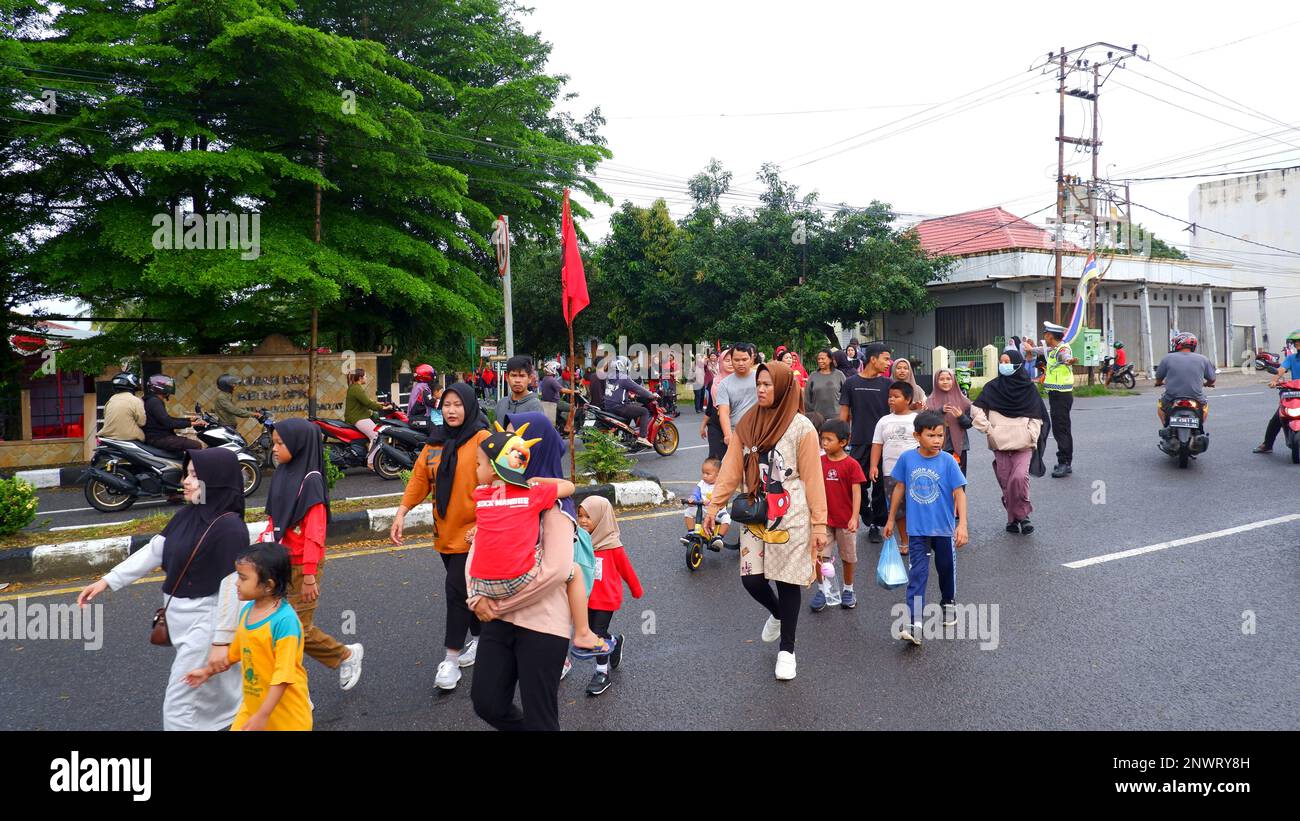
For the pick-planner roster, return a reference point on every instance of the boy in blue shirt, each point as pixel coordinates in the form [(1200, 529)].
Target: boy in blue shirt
[(934, 487)]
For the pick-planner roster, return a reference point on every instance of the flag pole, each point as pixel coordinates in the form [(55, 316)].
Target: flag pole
[(573, 408)]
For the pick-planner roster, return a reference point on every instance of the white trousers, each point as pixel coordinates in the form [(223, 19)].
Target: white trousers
[(213, 705)]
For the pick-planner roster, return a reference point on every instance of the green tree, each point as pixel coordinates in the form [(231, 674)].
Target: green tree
[(426, 119), (639, 263)]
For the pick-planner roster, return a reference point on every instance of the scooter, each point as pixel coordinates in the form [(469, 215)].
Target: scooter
[(963, 376), (347, 447), (1289, 410), (263, 447), (662, 432), (1183, 436), (398, 443), (122, 471), (1265, 361), (1123, 374)]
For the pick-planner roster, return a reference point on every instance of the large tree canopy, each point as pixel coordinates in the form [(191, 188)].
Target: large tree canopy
[(420, 121)]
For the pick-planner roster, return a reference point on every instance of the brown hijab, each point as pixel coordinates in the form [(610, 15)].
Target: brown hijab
[(606, 534), (762, 428)]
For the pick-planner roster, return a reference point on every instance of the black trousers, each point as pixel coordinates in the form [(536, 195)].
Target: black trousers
[(1273, 429), (874, 510), (510, 657), (784, 604), (599, 621), (699, 400), (717, 447), (635, 414), (1060, 403), (460, 618), (171, 441)]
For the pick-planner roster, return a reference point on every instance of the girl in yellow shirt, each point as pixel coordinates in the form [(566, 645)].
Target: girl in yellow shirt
[(268, 643)]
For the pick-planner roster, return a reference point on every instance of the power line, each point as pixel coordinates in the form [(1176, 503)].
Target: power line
[(1199, 227), (999, 227), (1206, 116), (1242, 173), (764, 113), (1235, 42)]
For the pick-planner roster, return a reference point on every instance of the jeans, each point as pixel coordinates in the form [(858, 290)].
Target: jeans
[(699, 400), (918, 574)]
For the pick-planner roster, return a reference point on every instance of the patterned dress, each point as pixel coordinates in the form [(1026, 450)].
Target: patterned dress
[(781, 551)]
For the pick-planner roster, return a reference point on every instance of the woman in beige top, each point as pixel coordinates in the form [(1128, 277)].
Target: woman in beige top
[(775, 451)]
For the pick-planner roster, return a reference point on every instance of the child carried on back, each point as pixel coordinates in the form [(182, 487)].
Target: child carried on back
[(507, 541)]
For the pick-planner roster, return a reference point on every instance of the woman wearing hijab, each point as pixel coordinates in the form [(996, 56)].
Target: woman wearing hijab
[(903, 372), (846, 366), (197, 551), (775, 455), (298, 513), (955, 408), (446, 466), (1012, 414), (525, 638)]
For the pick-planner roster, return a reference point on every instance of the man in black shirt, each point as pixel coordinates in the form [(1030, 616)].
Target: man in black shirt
[(864, 399), (160, 426)]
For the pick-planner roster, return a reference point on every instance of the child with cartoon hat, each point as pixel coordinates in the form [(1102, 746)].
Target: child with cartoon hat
[(507, 542)]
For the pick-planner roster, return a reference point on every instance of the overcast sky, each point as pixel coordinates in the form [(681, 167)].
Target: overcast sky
[(665, 74)]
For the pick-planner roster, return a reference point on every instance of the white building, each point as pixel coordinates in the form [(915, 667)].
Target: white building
[(1263, 208), (1003, 286)]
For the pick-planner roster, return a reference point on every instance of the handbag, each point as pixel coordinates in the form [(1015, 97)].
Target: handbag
[(751, 508), (1037, 467), (158, 633)]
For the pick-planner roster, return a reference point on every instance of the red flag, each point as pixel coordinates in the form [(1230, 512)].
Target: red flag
[(572, 277)]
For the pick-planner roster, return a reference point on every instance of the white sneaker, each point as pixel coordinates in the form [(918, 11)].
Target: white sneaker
[(468, 654), (566, 669), (772, 629), (448, 675), (350, 669), (912, 634), (784, 666)]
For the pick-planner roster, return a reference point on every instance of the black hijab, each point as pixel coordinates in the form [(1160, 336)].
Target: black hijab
[(223, 492), (450, 439), (299, 485), (1013, 396)]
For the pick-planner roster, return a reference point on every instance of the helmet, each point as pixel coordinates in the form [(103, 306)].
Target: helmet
[(552, 367), (1294, 336), (125, 382), (622, 367), (1184, 340), (1119, 345), (425, 373), (162, 384), (227, 383)]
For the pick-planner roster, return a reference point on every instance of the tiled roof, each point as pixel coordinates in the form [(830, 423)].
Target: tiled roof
[(975, 232)]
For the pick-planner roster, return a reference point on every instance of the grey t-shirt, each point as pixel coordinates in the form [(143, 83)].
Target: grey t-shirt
[(739, 393), (506, 406), (822, 393), (1185, 374)]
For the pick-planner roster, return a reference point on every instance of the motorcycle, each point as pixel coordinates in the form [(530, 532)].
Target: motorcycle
[(1265, 361), (1122, 374), (963, 376), (263, 447), (1289, 410), (668, 397), (122, 471), (398, 443), (1183, 435), (662, 432), (347, 447)]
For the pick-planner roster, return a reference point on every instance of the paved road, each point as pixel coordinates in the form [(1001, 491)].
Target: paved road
[(1146, 642)]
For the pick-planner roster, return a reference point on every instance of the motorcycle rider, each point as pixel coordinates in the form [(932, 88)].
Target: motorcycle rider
[(1120, 360), (159, 425), (551, 391), (619, 392), (422, 399), (1291, 367), (225, 408), (1183, 373), (124, 415)]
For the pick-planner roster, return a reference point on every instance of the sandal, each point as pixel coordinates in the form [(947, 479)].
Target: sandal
[(604, 649)]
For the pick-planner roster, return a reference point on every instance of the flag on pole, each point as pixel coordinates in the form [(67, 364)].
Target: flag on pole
[(572, 277), (1080, 316)]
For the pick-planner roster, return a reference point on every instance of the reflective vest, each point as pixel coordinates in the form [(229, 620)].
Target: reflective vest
[(1058, 377)]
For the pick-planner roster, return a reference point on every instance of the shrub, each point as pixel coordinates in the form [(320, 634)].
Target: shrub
[(603, 455), (17, 505), (332, 472)]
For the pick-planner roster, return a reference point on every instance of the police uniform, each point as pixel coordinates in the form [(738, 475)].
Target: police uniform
[(1059, 382)]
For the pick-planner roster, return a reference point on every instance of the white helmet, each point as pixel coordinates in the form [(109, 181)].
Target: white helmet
[(552, 368), (622, 367)]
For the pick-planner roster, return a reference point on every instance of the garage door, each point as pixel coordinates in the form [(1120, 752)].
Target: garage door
[(968, 327)]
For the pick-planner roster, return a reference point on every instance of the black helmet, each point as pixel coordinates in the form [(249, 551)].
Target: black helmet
[(162, 384), (125, 382), (227, 383)]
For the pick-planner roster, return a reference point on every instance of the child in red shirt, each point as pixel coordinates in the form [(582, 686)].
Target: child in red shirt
[(507, 543), (596, 516), (843, 478)]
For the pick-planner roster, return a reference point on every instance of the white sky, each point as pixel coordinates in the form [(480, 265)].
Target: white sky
[(652, 68)]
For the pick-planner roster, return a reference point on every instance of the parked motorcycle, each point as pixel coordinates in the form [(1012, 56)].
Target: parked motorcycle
[(1289, 410), (1265, 361), (397, 443), (123, 471), (1123, 374), (662, 433), (1183, 436), (263, 447)]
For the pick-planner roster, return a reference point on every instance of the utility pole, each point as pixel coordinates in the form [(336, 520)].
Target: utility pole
[(311, 354), (1060, 186)]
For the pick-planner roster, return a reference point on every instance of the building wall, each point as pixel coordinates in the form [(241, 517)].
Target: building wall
[(1263, 208)]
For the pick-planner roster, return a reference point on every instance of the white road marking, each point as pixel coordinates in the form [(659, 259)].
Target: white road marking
[(688, 447), (84, 509), (1204, 537), (376, 496), (96, 524)]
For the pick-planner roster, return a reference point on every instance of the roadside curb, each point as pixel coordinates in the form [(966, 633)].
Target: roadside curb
[(29, 564), (49, 477)]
